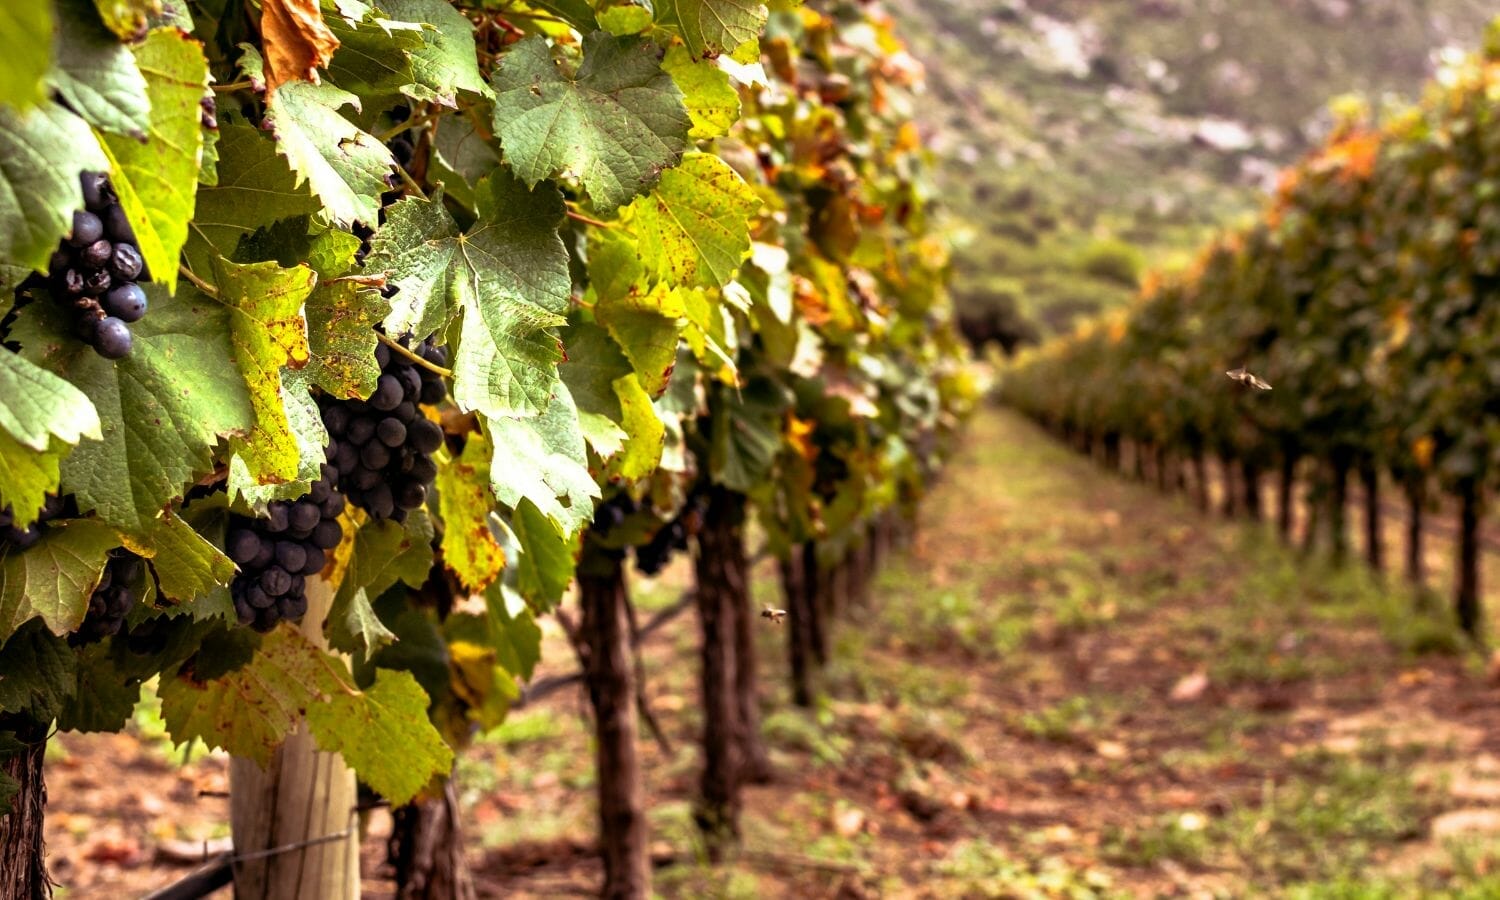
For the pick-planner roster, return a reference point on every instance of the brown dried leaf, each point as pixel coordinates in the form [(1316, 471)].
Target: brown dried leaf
[(297, 41)]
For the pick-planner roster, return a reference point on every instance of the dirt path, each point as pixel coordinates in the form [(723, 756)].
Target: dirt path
[(1070, 687)]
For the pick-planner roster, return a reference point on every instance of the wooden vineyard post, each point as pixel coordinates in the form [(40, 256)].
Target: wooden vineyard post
[(1286, 490), (23, 867), (815, 601), (720, 568), (1250, 478), (609, 672), (798, 626), (304, 802), (427, 849), (1369, 477), (1338, 508)]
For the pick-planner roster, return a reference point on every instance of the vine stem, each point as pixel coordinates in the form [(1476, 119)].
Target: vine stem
[(410, 124), (587, 220), (233, 86), (197, 282), (414, 357), (410, 182)]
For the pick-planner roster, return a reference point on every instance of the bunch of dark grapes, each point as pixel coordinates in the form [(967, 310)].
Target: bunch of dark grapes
[(112, 600), (94, 272), (653, 556), (277, 554), (610, 514), (382, 447), (53, 508)]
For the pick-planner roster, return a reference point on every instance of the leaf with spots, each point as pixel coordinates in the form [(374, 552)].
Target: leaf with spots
[(542, 459), (384, 735), (466, 503), (255, 188), (694, 229), (712, 27)]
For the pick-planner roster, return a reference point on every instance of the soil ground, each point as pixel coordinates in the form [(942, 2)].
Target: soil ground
[(1068, 686)]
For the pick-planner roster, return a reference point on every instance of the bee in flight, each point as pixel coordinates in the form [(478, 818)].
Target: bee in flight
[(775, 615), (1244, 377)]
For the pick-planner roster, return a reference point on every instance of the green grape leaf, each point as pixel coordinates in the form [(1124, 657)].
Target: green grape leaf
[(103, 696), (508, 275), (54, 578), (163, 408), (385, 553), (694, 229), (624, 18), (38, 672), (445, 62), (187, 565), (373, 58), (27, 476), (341, 320), (542, 459), (712, 27), (712, 102), (614, 125), (28, 31), (465, 502), (42, 151), (157, 181), (645, 322), (544, 558), (344, 165), (36, 406), (128, 18), (594, 362), (746, 434), (255, 188), (96, 75), (384, 734), (516, 636), (268, 332), (461, 158)]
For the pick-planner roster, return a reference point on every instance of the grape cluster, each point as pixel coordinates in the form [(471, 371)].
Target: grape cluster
[(277, 554), (95, 270), (653, 556), (53, 508), (381, 448), (112, 600)]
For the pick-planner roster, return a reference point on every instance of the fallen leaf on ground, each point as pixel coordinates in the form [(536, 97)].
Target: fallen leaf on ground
[(1189, 687)]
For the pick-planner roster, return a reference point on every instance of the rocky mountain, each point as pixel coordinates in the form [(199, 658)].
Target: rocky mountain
[(1083, 139)]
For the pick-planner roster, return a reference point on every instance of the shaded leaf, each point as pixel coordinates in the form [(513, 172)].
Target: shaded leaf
[(42, 151), (465, 502), (542, 459), (95, 74), (54, 578)]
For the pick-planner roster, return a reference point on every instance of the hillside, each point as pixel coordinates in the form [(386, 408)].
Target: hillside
[(1079, 139)]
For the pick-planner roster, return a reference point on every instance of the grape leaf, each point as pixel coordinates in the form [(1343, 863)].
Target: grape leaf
[(746, 434), (102, 697), (542, 459), (383, 554), (28, 37), (446, 61), (38, 673), (515, 634), (186, 564), (614, 125), (480, 684), (27, 476), (296, 40), (647, 433), (694, 229), (712, 102), (157, 181), (305, 424), (384, 734), (42, 151), (163, 408), (96, 75), (577, 13), (465, 501), (341, 320), (267, 330), (509, 277), (345, 166), (461, 157), (373, 57), (594, 362), (712, 27), (54, 578), (36, 405), (644, 322), (255, 188), (544, 558), (127, 18), (249, 710)]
